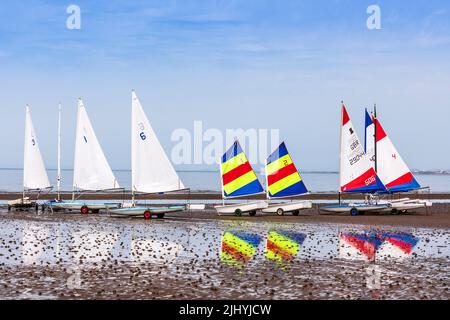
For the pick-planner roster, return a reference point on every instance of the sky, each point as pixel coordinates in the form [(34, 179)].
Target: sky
[(232, 64)]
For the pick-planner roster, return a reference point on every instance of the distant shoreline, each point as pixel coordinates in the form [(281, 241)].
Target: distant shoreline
[(208, 195), (439, 172)]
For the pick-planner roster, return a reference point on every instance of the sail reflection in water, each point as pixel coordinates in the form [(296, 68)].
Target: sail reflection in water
[(283, 246), (238, 248), (371, 245)]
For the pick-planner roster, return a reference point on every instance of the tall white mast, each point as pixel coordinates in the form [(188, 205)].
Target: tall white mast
[(59, 153)]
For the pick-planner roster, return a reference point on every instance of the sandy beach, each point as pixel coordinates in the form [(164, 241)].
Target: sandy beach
[(69, 256)]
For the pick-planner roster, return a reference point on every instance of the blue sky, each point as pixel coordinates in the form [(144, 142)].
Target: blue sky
[(232, 64)]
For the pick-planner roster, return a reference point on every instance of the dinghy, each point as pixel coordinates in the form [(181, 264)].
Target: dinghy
[(151, 172), (35, 178), (283, 181), (390, 167), (356, 172), (91, 169), (239, 180)]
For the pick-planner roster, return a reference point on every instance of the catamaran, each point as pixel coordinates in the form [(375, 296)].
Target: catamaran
[(390, 167), (356, 172), (283, 181), (239, 180), (91, 169), (35, 176), (151, 172)]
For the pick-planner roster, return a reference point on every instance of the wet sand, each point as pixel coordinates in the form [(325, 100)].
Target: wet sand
[(69, 256)]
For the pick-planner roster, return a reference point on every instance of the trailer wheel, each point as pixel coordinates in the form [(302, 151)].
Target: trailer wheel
[(84, 210), (147, 215), (238, 212), (395, 212), (295, 213), (354, 212), (252, 213), (161, 215), (280, 212)]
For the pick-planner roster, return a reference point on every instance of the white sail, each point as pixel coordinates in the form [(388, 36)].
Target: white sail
[(34, 174), (91, 169), (152, 172), (391, 168), (356, 171)]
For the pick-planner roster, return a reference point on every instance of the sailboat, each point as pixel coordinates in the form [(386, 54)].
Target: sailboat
[(356, 172), (283, 181), (239, 180), (35, 176), (91, 169), (151, 172), (390, 166)]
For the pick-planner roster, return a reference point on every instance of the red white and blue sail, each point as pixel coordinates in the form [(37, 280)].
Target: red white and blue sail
[(238, 177), (391, 168), (356, 172), (283, 178)]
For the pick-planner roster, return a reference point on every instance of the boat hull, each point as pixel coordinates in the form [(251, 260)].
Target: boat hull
[(76, 206), (407, 204), (346, 208), (288, 206), (243, 207), (140, 210)]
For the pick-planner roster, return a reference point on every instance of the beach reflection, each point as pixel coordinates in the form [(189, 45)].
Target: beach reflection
[(373, 245), (238, 248), (175, 257), (42, 243)]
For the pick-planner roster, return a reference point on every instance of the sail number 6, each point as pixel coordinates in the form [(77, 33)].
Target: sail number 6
[(142, 134)]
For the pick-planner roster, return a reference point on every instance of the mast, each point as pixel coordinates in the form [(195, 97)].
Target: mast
[(340, 148), (25, 152), (221, 184), (59, 153), (375, 134)]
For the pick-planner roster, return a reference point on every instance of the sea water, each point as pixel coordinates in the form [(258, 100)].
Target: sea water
[(11, 180)]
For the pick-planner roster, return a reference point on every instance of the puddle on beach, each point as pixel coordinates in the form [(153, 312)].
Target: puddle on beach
[(61, 257)]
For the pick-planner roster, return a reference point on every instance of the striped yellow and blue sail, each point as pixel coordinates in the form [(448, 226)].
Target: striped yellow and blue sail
[(238, 177), (238, 248), (283, 246), (283, 179)]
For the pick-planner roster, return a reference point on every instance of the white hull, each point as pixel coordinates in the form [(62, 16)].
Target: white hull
[(288, 206), (243, 207), (407, 204)]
